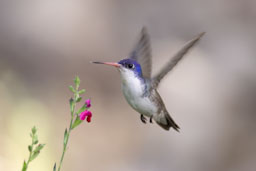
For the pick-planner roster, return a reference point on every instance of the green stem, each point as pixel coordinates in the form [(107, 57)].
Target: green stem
[(68, 133), (65, 145), (29, 158), (30, 153)]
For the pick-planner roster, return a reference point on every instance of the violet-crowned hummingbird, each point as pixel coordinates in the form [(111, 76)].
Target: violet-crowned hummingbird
[(139, 88)]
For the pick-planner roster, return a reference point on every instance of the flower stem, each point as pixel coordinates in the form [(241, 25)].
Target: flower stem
[(72, 103), (29, 158), (66, 135), (33, 153)]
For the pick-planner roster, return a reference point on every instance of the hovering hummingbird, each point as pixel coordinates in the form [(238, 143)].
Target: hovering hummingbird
[(139, 88)]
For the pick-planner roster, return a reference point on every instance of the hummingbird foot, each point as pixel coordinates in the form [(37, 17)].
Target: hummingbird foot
[(143, 119), (150, 120)]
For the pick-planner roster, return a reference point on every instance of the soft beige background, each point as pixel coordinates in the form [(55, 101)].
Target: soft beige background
[(211, 94)]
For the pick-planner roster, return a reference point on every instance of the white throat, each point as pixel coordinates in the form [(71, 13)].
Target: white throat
[(131, 84), (133, 90)]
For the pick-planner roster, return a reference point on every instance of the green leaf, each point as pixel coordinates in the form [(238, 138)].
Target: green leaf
[(33, 130), (71, 88), (77, 82), (77, 122), (34, 155), (76, 96), (79, 99), (30, 148), (65, 137), (54, 167), (81, 91), (24, 168), (39, 148), (81, 109), (35, 139), (71, 104)]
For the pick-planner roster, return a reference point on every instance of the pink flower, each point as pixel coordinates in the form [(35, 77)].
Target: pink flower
[(89, 118), (88, 103), (85, 114)]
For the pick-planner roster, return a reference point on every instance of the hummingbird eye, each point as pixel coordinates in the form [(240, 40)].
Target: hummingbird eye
[(130, 66)]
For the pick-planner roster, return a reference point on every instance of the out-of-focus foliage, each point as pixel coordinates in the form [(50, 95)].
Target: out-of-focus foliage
[(34, 149)]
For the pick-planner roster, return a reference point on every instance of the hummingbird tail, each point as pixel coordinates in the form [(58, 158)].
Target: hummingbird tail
[(166, 122)]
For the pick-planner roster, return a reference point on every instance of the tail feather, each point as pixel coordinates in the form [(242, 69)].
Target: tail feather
[(166, 122)]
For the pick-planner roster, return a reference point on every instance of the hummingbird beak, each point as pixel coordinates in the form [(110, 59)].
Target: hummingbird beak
[(109, 63)]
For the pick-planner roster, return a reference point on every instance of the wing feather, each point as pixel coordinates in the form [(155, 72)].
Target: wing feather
[(174, 60), (142, 53)]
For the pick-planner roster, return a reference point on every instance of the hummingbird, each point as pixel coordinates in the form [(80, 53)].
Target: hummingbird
[(140, 88)]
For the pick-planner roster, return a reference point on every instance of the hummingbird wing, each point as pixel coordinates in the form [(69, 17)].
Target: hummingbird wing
[(142, 53), (174, 60)]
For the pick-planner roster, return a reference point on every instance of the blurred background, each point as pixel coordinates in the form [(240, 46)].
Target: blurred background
[(211, 94)]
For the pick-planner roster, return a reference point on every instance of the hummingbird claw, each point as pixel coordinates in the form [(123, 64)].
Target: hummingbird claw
[(143, 119), (150, 120)]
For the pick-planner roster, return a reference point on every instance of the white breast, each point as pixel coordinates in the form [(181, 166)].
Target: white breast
[(133, 90)]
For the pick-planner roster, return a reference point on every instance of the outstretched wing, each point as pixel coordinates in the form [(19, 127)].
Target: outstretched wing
[(142, 53), (174, 60)]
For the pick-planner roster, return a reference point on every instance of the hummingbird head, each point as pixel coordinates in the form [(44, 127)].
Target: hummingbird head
[(126, 66), (130, 65)]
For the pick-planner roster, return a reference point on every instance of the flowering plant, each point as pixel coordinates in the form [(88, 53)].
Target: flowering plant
[(33, 151), (79, 115)]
